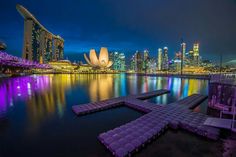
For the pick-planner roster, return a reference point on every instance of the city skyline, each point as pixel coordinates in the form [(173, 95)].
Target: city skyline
[(83, 32), (118, 78)]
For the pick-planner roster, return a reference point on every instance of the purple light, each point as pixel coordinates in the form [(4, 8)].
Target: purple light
[(13, 61), (20, 88)]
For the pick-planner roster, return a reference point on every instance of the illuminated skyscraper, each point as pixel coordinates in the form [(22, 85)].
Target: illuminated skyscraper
[(114, 57), (40, 45), (118, 60), (46, 47), (146, 60), (177, 61), (58, 48), (196, 54), (138, 62), (132, 63), (122, 62), (183, 52), (145, 54), (165, 61), (152, 66), (190, 58), (159, 63)]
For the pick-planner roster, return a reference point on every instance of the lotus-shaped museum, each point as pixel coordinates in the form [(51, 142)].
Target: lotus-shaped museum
[(101, 62)]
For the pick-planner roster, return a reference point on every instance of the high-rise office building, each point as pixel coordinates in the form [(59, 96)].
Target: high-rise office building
[(152, 67), (146, 60), (40, 45), (118, 60), (183, 52), (122, 62), (177, 61), (165, 60), (145, 54), (190, 58), (132, 63), (196, 54), (159, 63), (114, 57), (138, 62)]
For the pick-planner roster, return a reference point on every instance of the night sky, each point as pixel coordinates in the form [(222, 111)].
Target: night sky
[(128, 25)]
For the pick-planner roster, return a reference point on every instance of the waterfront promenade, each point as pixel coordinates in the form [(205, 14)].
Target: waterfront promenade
[(133, 136), (205, 76)]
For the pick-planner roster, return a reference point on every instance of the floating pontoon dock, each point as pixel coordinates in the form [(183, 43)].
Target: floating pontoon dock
[(130, 137)]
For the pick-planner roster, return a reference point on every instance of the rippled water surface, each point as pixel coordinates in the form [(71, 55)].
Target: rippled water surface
[(36, 117)]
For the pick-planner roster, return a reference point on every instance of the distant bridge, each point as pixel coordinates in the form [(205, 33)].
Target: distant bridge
[(11, 64)]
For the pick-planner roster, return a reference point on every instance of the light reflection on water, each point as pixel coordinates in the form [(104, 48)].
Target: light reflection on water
[(31, 104), (45, 95), (179, 88), (20, 88)]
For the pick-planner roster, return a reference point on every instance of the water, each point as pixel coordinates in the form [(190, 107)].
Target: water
[(179, 88), (36, 117)]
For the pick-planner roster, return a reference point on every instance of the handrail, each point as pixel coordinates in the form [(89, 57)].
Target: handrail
[(228, 78)]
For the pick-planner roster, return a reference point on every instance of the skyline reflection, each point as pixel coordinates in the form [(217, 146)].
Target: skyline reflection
[(179, 88), (20, 88), (44, 104), (47, 96)]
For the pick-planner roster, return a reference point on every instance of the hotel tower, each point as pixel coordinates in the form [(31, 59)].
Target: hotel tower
[(40, 45)]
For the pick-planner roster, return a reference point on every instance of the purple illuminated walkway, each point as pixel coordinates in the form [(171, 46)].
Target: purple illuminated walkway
[(13, 61), (130, 137)]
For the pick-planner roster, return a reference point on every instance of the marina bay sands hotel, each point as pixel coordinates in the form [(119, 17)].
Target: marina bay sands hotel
[(40, 45)]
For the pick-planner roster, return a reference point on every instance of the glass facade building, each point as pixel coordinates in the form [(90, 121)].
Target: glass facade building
[(196, 54), (159, 62), (40, 45), (118, 60), (183, 52), (165, 60)]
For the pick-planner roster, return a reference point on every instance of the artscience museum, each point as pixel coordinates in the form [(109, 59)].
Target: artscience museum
[(101, 62)]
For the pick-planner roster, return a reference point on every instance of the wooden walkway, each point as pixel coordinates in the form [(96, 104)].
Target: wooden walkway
[(130, 137)]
